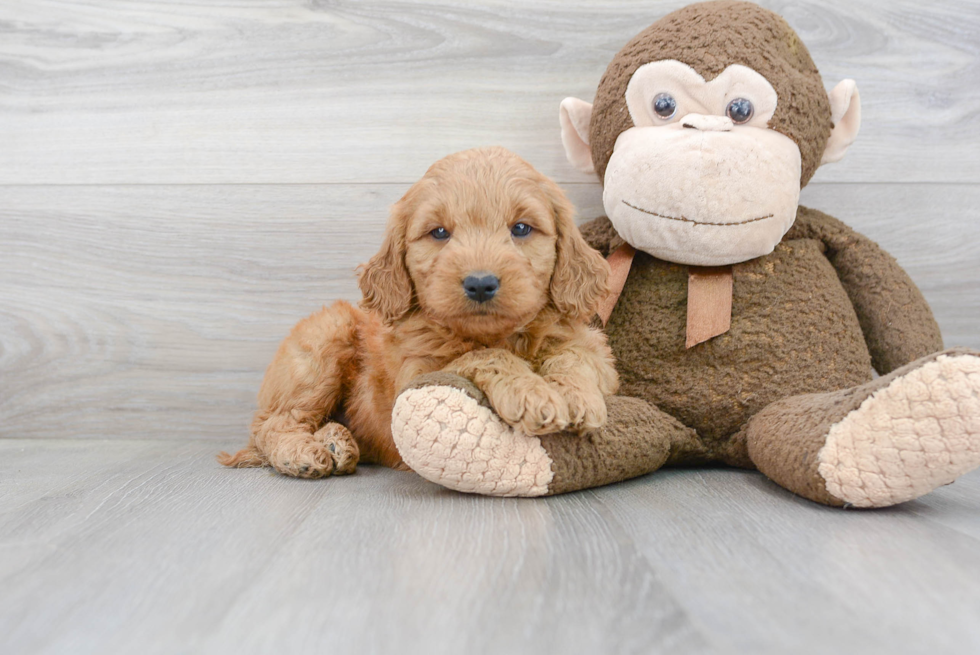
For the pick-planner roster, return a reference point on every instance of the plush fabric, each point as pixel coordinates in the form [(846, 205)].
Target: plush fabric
[(636, 439), (788, 389), (655, 203), (885, 442), (897, 323), (916, 432), (793, 331), (879, 444), (447, 433), (709, 37)]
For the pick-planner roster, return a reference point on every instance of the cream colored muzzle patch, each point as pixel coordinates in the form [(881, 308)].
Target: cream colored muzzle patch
[(449, 438), (920, 432), (702, 197)]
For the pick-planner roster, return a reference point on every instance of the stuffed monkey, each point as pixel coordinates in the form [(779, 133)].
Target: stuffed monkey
[(747, 326)]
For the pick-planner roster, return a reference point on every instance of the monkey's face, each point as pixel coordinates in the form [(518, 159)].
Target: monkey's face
[(701, 179), (709, 173)]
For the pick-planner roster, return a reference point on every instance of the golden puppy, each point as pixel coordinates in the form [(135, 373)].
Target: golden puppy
[(482, 273)]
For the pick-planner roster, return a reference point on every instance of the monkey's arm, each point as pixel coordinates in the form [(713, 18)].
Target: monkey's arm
[(897, 323), (601, 235)]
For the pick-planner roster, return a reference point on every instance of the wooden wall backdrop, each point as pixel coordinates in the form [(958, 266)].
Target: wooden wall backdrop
[(181, 182)]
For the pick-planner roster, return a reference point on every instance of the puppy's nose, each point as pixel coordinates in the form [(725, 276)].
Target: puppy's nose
[(481, 286)]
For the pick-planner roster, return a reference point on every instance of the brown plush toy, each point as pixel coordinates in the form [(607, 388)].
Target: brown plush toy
[(747, 326)]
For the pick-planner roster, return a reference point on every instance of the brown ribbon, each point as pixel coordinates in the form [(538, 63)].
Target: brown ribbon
[(709, 302), (620, 262), (709, 296)]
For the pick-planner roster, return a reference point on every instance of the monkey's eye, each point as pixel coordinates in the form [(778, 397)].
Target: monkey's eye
[(440, 234), (520, 229), (740, 110), (664, 105)]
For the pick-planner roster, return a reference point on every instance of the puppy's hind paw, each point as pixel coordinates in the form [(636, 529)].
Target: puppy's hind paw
[(331, 450), (340, 442)]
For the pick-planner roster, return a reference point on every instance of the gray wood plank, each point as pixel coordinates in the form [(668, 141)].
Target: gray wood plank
[(146, 314), (289, 91), (762, 569), (152, 311), (149, 546), (159, 550)]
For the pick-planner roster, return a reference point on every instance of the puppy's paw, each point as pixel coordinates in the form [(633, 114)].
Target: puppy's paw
[(531, 404), (340, 442), (586, 406), (331, 450), (545, 411)]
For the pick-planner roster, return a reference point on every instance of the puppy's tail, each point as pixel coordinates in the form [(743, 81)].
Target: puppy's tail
[(245, 458)]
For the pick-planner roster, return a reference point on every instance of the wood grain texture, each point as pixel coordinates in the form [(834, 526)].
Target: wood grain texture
[(180, 182), (763, 567), (149, 546), (152, 311), (288, 91)]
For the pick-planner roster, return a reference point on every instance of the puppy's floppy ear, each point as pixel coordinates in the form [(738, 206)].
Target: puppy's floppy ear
[(580, 279), (384, 280)]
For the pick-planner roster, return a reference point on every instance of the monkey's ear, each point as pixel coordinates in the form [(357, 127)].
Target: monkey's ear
[(384, 280), (845, 111), (574, 116)]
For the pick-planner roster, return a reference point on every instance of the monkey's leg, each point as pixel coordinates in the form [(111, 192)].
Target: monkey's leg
[(447, 433), (885, 442)]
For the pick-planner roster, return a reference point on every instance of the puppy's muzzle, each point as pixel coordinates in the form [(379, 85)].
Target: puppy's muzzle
[(481, 286)]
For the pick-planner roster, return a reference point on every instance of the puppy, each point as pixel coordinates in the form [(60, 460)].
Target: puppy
[(482, 273)]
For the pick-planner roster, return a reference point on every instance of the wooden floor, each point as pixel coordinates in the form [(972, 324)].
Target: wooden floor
[(117, 546), (181, 181)]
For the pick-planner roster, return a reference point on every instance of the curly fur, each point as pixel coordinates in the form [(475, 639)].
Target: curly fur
[(327, 397)]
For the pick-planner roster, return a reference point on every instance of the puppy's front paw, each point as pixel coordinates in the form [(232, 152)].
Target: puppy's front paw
[(531, 404), (331, 450), (586, 406)]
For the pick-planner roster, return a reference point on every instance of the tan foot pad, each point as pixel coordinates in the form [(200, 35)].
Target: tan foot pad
[(916, 434), (449, 438)]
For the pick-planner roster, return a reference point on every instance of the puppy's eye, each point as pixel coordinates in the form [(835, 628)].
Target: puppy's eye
[(740, 110), (520, 229), (440, 234)]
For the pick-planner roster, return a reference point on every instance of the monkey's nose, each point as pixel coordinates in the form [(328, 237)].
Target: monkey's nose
[(481, 286), (708, 123)]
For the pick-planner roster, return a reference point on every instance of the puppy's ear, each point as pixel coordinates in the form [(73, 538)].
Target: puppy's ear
[(384, 280), (580, 280)]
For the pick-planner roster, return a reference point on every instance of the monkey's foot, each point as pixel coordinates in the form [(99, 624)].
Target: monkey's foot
[(917, 433), (879, 444), (446, 431)]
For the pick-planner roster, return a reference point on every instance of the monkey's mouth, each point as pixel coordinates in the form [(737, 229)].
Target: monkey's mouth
[(684, 219)]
